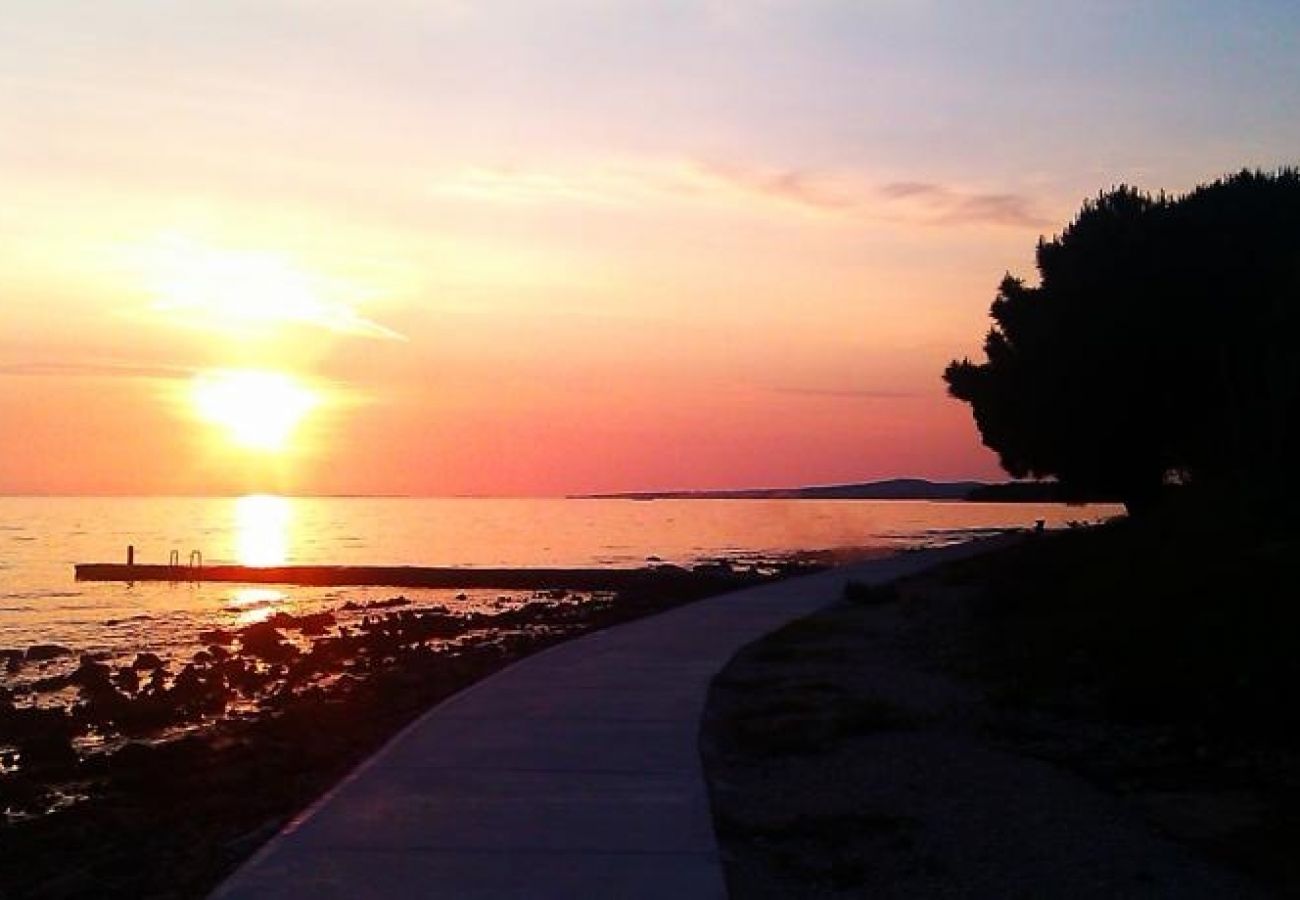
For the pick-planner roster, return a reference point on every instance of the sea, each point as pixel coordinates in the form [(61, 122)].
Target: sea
[(42, 538)]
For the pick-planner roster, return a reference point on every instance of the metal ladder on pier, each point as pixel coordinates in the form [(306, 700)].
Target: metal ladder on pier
[(193, 565)]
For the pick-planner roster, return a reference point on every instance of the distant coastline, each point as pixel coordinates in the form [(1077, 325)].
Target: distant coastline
[(890, 489)]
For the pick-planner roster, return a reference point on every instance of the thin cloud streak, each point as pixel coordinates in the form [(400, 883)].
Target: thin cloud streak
[(847, 393), (943, 205), (810, 191), (105, 369), (798, 187), (205, 286)]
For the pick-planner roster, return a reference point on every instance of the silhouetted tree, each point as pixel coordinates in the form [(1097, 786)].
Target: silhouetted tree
[(1159, 344)]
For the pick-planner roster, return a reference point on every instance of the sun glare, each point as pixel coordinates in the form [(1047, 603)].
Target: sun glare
[(262, 533), (257, 410), (250, 291), (252, 605)]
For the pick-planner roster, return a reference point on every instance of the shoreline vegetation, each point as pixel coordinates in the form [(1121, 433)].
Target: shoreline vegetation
[(156, 778), (1108, 707)]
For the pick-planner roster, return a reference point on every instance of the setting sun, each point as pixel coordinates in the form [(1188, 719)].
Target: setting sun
[(340, 340), (258, 410)]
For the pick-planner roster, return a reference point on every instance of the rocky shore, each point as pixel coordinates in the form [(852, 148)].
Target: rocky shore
[(154, 778)]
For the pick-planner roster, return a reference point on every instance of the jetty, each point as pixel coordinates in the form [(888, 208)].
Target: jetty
[(665, 577)]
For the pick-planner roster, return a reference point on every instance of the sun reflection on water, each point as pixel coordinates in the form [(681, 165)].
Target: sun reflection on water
[(262, 524), (254, 604)]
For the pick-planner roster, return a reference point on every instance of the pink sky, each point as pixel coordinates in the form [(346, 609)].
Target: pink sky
[(563, 247)]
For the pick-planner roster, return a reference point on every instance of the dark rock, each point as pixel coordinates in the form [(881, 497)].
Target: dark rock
[(42, 652), (90, 674), (49, 685), (311, 624), (145, 661), (196, 692), (263, 640), (318, 625), (134, 716), (390, 603), (47, 750), (217, 636), (244, 677), (21, 794), (127, 679), (17, 723), (157, 681)]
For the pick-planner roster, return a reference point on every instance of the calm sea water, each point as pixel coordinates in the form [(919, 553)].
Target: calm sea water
[(41, 539)]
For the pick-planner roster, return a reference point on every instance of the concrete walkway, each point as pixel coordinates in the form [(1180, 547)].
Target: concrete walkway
[(574, 773)]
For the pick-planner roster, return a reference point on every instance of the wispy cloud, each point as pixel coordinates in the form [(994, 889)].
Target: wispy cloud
[(924, 202), (702, 181), (94, 369), (940, 204), (847, 393), (821, 192), (206, 286), (797, 187)]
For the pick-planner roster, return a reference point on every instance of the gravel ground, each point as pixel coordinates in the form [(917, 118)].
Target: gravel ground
[(845, 761)]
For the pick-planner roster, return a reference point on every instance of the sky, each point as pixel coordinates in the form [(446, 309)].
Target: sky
[(536, 248)]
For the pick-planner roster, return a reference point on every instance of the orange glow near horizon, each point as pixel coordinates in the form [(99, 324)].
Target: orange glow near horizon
[(466, 264), (257, 410)]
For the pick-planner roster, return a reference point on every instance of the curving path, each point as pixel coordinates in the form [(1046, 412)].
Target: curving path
[(573, 773)]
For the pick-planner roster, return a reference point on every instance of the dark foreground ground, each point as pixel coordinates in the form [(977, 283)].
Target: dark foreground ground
[(1094, 714), (156, 780)]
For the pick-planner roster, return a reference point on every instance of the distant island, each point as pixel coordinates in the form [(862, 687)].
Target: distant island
[(891, 489)]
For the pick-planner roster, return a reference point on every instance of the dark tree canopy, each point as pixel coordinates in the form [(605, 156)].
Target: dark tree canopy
[(1159, 344)]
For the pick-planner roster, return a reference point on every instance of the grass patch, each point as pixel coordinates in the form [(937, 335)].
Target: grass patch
[(1179, 631), (819, 637), (838, 851), (864, 594), (1142, 623), (805, 719)]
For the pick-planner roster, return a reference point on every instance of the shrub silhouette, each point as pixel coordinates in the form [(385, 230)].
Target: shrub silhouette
[(1159, 346)]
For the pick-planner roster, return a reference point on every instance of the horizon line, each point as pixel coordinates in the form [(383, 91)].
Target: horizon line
[(611, 494)]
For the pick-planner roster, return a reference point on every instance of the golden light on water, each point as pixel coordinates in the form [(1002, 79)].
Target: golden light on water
[(256, 409), (252, 605), (262, 526)]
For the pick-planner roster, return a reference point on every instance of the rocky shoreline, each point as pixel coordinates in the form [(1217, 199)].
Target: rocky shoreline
[(155, 778)]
